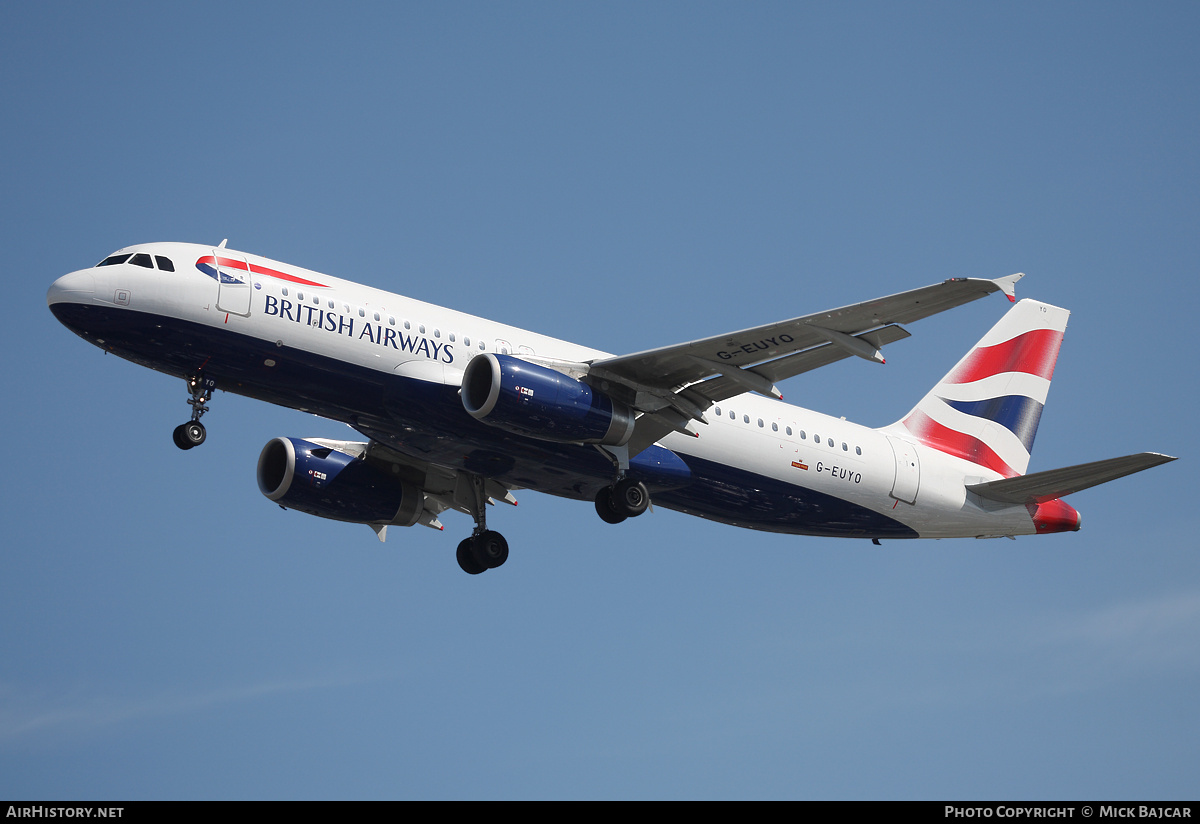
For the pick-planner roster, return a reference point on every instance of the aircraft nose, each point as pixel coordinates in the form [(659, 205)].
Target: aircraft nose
[(77, 287)]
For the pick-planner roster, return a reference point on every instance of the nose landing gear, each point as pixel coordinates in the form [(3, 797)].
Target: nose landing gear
[(190, 434)]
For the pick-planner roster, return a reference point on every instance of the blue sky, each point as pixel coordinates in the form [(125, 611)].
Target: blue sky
[(624, 176)]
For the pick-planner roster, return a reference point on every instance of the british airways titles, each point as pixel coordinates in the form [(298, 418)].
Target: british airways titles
[(377, 333)]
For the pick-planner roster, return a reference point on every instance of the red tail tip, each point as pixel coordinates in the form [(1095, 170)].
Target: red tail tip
[(1055, 516)]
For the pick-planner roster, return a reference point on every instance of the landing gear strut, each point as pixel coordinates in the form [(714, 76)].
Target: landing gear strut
[(485, 549), (192, 433)]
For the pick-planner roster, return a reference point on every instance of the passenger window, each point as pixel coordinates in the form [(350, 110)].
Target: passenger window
[(789, 431), (330, 304), (142, 260), (362, 313), (113, 260), (817, 440), (452, 337), (830, 440), (858, 450), (299, 296), (316, 300), (164, 263), (376, 317), (421, 329), (844, 447), (731, 414), (745, 419), (774, 427), (285, 291), (391, 321), (718, 411), (437, 333), (803, 436), (760, 423), (407, 325)]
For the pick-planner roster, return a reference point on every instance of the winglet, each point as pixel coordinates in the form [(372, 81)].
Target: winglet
[(1008, 285)]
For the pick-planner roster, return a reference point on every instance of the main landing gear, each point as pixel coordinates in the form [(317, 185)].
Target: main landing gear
[(485, 549), (626, 498), (192, 433)]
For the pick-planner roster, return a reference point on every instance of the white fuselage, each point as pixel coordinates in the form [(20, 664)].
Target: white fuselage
[(290, 309)]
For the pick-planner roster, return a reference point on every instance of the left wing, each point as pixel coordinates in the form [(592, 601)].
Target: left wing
[(674, 385), (440, 488)]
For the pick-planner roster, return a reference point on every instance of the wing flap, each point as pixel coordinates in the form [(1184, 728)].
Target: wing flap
[(722, 388), (1039, 487)]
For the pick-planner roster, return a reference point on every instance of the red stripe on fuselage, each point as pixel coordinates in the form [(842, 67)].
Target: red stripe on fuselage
[(231, 263), (1033, 352)]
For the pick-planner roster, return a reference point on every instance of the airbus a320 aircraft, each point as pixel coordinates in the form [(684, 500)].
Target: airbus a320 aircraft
[(459, 411)]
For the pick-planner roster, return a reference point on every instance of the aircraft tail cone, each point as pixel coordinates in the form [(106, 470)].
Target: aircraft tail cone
[(1055, 516)]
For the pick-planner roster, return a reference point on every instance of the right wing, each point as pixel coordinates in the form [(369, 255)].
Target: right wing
[(673, 385)]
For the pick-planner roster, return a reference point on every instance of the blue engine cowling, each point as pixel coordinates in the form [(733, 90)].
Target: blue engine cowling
[(322, 481), (523, 397)]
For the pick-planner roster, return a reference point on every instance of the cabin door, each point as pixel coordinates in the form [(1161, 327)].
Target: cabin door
[(233, 283), (908, 471)]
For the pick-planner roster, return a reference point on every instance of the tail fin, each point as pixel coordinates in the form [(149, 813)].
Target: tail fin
[(987, 408)]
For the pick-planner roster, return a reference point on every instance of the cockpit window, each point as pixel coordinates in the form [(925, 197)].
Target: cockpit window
[(113, 260), (142, 259), (164, 263)]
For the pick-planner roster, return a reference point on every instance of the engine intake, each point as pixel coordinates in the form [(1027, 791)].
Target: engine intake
[(322, 481), (522, 397)]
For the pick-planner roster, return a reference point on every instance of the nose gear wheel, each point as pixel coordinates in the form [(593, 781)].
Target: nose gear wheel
[(192, 433)]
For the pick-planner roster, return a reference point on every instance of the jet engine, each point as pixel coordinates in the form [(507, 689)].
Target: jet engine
[(325, 482), (522, 397)]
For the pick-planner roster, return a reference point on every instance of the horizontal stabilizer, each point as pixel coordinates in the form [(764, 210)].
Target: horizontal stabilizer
[(1039, 487)]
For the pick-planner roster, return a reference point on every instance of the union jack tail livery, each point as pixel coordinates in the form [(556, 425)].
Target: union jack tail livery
[(986, 409)]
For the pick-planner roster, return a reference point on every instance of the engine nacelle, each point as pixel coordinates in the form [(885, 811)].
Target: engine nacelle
[(322, 481), (523, 397)]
